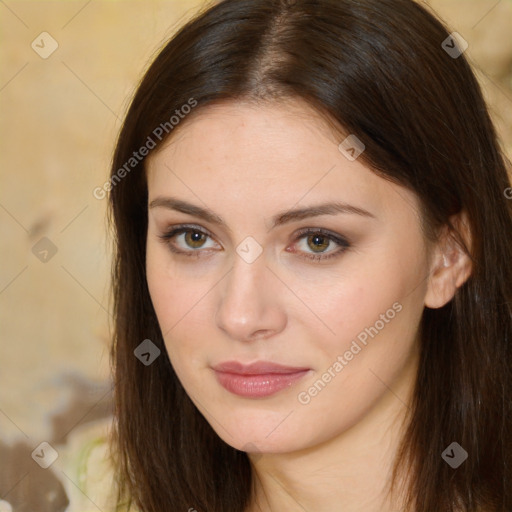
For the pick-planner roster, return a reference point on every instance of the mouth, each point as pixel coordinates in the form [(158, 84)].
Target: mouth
[(257, 380)]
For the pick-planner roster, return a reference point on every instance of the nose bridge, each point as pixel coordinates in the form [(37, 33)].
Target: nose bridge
[(249, 303)]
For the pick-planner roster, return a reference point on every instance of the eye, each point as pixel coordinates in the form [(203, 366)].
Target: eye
[(190, 237), (318, 240), (189, 240)]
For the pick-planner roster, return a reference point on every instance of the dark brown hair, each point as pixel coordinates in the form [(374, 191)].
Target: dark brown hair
[(378, 69)]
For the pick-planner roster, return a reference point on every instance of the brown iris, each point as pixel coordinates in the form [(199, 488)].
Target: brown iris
[(318, 247), (195, 239)]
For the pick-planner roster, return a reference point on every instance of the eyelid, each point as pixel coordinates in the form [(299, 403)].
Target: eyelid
[(178, 229), (341, 241), (184, 227)]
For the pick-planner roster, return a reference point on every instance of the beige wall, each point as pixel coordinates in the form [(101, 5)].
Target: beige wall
[(59, 118)]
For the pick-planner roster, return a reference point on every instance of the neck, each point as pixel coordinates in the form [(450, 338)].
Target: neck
[(350, 472)]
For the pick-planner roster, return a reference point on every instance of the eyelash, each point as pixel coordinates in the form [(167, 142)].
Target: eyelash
[(342, 242)]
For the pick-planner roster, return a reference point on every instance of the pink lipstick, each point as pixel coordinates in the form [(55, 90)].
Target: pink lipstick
[(257, 380)]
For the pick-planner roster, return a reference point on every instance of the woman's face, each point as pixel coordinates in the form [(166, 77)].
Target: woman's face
[(242, 285)]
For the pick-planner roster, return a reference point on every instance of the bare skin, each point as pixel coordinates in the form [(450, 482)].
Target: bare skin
[(326, 450)]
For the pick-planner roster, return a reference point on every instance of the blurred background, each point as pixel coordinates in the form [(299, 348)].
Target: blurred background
[(68, 70)]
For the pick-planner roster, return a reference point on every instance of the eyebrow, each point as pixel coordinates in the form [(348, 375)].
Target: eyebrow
[(284, 217)]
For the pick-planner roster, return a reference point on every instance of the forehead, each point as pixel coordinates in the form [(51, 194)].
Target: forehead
[(260, 156)]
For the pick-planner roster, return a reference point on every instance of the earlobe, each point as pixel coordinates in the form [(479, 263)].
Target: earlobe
[(451, 265)]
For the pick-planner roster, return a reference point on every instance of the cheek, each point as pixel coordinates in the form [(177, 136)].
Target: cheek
[(362, 302), (179, 299), (374, 309), (369, 355)]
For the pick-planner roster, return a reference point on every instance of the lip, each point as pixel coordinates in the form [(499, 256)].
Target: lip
[(257, 380)]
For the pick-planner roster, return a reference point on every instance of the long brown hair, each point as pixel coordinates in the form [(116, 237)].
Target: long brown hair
[(378, 69)]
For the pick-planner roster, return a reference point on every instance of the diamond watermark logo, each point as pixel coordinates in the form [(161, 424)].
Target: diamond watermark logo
[(44, 45), (249, 250), (45, 455), (454, 45), (44, 250), (454, 455), (146, 352), (351, 147)]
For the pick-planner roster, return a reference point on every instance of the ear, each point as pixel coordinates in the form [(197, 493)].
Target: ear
[(450, 266)]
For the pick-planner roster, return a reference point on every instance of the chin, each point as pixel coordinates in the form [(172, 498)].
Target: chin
[(267, 431)]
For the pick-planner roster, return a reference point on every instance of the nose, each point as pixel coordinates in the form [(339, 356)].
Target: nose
[(249, 307)]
